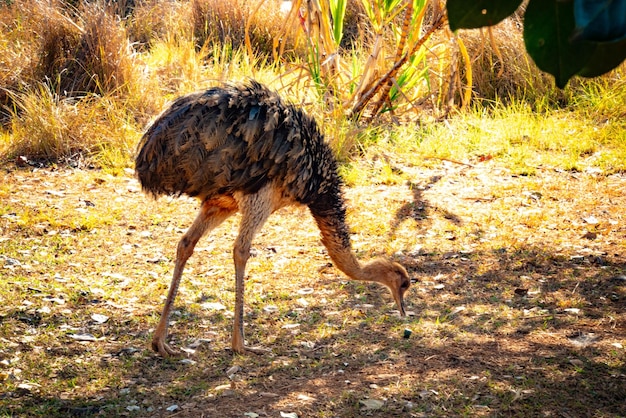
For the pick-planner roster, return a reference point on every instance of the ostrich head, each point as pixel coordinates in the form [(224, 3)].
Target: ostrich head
[(392, 275)]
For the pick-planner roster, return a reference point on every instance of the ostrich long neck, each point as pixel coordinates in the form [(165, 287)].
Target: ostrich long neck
[(329, 213), (337, 242)]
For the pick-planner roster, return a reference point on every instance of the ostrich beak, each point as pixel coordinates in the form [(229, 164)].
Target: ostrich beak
[(399, 297)]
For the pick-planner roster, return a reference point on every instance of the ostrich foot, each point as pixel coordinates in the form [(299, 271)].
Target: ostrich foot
[(163, 349)]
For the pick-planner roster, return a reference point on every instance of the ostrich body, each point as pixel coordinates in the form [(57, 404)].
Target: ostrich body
[(241, 148)]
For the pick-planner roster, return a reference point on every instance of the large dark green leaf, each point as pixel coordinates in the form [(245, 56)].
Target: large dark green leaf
[(564, 37), (605, 57), (479, 13), (600, 20), (548, 26)]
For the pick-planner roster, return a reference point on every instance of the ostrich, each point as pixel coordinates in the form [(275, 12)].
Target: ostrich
[(241, 148)]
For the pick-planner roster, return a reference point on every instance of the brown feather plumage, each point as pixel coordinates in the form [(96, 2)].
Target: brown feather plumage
[(234, 138)]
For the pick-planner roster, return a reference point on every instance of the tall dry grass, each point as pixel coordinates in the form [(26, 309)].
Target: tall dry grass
[(50, 128), (63, 71), (36, 38), (103, 61), (76, 51), (230, 22), (502, 70), (155, 21)]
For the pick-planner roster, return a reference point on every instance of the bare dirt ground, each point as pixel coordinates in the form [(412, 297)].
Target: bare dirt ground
[(519, 308)]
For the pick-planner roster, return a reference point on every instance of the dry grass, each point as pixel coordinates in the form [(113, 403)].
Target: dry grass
[(216, 21), (103, 62), (75, 51), (518, 310), (49, 129), (157, 21), (88, 53), (501, 68), (35, 37)]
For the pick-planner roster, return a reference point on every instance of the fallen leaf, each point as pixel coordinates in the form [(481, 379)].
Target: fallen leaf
[(232, 371), (156, 259), (44, 310), (288, 414), (55, 193), (83, 337), (250, 414), (115, 276), (100, 319), (534, 195), (54, 300), (371, 404), (521, 292), (582, 339), (197, 343), (172, 408), (574, 311), (590, 235), (427, 393), (188, 350), (591, 220), (216, 306), (27, 386), (576, 362)]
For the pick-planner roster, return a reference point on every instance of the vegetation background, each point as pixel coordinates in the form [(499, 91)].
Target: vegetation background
[(513, 191), (81, 79)]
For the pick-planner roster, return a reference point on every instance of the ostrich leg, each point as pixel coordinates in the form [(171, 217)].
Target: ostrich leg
[(212, 213), (255, 209)]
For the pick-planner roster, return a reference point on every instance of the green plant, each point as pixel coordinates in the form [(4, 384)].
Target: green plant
[(386, 73)]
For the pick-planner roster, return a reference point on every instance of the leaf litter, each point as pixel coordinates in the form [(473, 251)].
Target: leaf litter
[(515, 310)]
